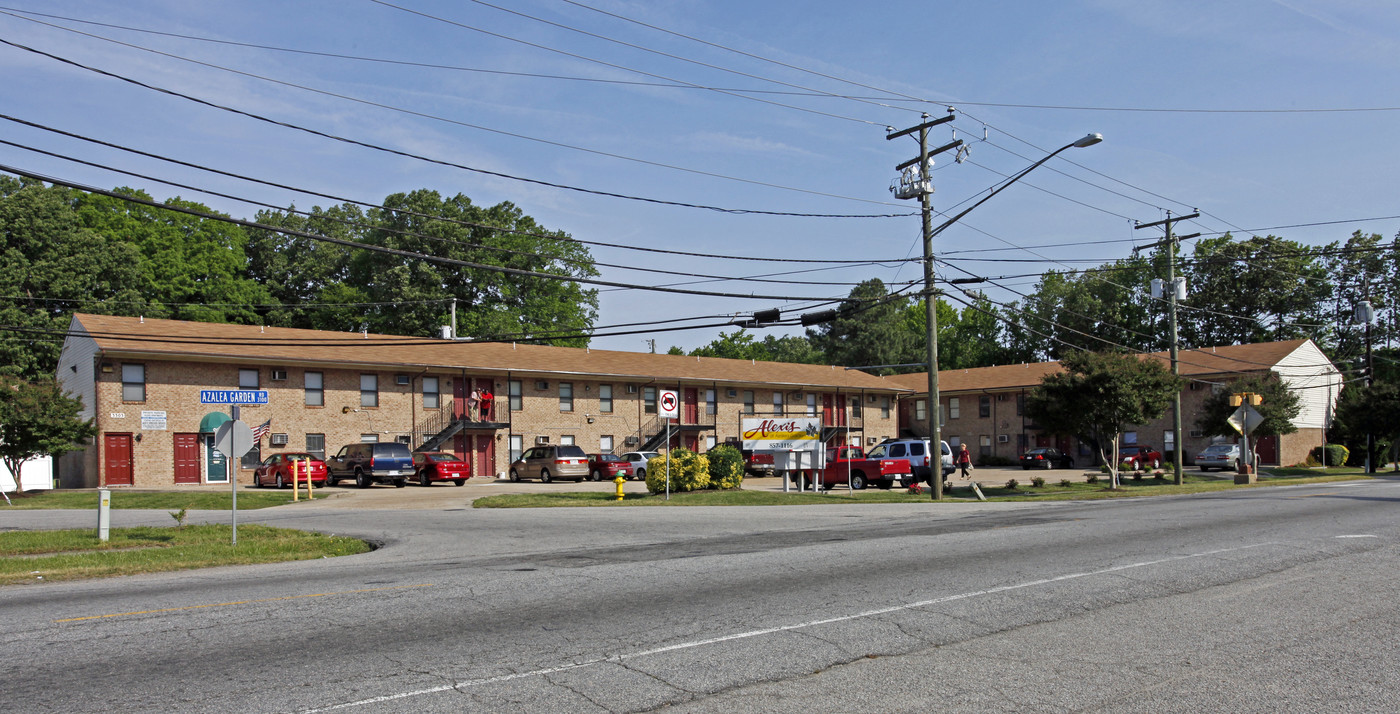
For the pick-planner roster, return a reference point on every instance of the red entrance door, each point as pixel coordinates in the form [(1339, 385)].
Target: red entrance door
[(484, 456), (187, 458), (459, 397), (691, 413), (116, 457), (827, 415)]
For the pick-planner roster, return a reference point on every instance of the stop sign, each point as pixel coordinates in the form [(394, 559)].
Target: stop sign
[(233, 439)]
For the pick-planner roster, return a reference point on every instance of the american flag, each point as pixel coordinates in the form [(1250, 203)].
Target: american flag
[(261, 430)]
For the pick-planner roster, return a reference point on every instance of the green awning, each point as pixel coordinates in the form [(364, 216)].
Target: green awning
[(212, 421)]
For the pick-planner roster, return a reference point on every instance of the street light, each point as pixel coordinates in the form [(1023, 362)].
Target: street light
[(931, 311)]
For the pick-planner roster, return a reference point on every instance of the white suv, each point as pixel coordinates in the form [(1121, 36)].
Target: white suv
[(914, 451)]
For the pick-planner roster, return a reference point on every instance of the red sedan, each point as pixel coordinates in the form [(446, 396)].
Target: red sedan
[(277, 470), (608, 466), (430, 466)]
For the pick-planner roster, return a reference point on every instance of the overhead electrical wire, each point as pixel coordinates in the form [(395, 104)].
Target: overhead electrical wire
[(455, 221), (451, 164), (341, 221), (391, 251), (456, 122), (546, 48)]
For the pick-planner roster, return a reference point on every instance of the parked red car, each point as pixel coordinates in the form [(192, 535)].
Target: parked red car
[(277, 470), (430, 466), (1141, 457), (608, 466)]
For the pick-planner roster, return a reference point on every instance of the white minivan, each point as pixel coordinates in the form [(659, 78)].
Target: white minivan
[(915, 451)]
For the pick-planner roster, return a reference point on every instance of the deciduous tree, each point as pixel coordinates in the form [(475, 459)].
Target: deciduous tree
[(38, 419), (1098, 395)]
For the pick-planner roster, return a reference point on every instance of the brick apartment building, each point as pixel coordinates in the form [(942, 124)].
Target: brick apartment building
[(142, 381), (985, 407)]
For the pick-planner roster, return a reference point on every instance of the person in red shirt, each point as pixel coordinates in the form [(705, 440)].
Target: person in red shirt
[(487, 403), (964, 460)]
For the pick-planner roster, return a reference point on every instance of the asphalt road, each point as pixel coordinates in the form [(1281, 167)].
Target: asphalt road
[(1270, 600)]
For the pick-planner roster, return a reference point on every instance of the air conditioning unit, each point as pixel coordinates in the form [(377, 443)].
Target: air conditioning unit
[(870, 440), (401, 379), (279, 439), (1001, 397), (1003, 438), (540, 440), (541, 385), (630, 441), (1196, 433), (872, 399), (631, 389), (733, 392), (279, 375)]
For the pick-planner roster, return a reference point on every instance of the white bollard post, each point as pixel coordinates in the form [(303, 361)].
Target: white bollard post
[(104, 513)]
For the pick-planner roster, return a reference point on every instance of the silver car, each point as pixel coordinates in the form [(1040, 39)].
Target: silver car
[(1219, 456), (550, 462), (639, 460)]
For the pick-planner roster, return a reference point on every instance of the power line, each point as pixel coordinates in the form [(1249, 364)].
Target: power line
[(442, 162), (391, 251)]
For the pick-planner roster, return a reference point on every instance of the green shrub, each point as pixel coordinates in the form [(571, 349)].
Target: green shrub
[(1093, 477), (1037, 481), (1337, 455), (1137, 475), (1064, 483), (1012, 485), (726, 467), (689, 472)]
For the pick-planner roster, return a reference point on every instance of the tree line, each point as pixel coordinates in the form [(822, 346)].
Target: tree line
[(68, 251)]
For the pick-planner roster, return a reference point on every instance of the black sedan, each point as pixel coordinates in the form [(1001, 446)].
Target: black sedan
[(1046, 457)]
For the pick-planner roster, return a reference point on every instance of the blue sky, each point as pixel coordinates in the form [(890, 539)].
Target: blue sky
[(1201, 105)]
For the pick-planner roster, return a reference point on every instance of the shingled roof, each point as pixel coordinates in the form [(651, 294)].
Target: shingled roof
[(147, 338), (1211, 360)]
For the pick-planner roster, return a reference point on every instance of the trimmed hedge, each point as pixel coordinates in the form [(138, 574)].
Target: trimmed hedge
[(726, 467), (689, 472)]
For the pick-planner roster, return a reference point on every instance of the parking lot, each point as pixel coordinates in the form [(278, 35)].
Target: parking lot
[(449, 496)]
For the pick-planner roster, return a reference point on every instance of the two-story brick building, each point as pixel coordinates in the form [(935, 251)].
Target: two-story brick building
[(985, 407), (142, 380)]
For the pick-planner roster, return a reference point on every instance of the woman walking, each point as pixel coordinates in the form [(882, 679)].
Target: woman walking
[(964, 460)]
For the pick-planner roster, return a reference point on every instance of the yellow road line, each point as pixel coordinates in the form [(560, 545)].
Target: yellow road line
[(240, 602)]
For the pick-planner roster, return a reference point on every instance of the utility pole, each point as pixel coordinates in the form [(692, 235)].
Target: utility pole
[(1365, 313), (1171, 244), (919, 184)]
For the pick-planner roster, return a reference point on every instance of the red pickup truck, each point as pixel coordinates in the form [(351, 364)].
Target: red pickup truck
[(850, 462)]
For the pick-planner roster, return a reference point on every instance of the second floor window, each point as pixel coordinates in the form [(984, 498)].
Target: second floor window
[(748, 401), (984, 406), (920, 409), (811, 404), (711, 406), (430, 392), (954, 408), (649, 400), (513, 390), (605, 399), (369, 390), (778, 403), (315, 390), (247, 379), (566, 396), (133, 382)]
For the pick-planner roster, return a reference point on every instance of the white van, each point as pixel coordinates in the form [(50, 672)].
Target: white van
[(915, 451)]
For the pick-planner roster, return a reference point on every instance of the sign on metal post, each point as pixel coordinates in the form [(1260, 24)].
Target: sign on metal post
[(1245, 419), (670, 404), (233, 439)]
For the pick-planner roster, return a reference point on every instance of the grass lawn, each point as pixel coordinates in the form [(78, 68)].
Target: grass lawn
[(1051, 491), (169, 500), (45, 556)]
